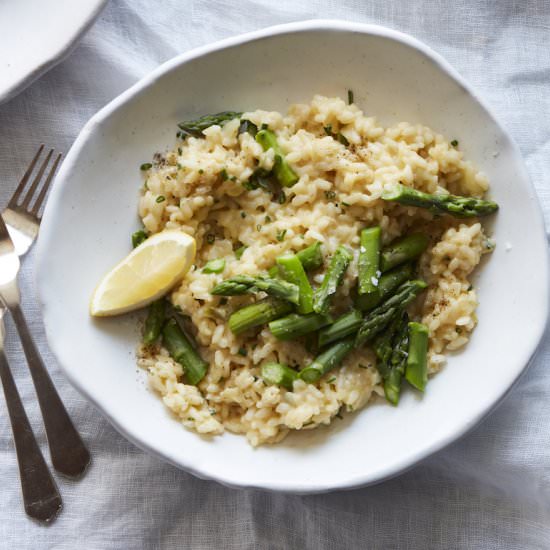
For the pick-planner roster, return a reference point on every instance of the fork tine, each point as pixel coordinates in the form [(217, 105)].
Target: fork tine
[(25, 178), (44, 190), (36, 181)]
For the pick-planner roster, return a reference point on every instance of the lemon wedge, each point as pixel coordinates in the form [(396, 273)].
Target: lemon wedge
[(148, 272)]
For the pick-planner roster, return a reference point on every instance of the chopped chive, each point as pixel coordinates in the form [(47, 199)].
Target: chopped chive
[(146, 166), (346, 203), (330, 195), (281, 197), (242, 351), (267, 219), (350, 97), (210, 238), (239, 252), (264, 126), (260, 178), (180, 150), (328, 129), (214, 266), (160, 198), (243, 215), (223, 175), (331, 379), (258, 228), (201, 171), (342, 139), (281, 235), (454, 143)]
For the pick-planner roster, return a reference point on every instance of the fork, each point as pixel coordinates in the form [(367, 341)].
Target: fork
[(68, 453)]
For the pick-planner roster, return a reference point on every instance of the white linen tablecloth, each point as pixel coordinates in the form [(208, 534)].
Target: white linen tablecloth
[(489, 490)]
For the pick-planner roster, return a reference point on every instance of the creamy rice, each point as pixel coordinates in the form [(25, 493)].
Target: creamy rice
[(338, 194)]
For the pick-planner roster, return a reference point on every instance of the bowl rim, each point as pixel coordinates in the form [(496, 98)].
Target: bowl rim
[(321, 485)]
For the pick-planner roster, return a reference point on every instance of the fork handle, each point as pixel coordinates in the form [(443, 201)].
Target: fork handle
[(40, 495), (69, 455)]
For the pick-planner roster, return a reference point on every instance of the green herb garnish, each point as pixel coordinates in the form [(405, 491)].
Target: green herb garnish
[(247, 127), (138, 237), (160, 198), (240, 251), (146, 166), (342, 139), (281, 235)]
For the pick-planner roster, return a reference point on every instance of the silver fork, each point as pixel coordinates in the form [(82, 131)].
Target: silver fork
[(68, 453)]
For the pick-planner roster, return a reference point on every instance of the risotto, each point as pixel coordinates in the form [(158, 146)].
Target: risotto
[(344, 161)]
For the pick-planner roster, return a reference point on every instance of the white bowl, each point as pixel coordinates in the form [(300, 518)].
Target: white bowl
[(36, 35), (92, 212)]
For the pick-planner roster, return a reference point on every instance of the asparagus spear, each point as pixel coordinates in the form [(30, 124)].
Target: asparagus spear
[(196, 127), (283, 172), (383, 346), (246, 284), (403, 250), (416, 372), (398, 361), (369, 262), (459, 207), (279, 289), (327, 360), (387, 283), (181, 350), (292, 271), (378, 318), (332, 279), (247, 127), (345, 325), (154, 321), (391, 350), (311, 257), (257, 314), (214, 266), (276, 374), (293, 326)]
